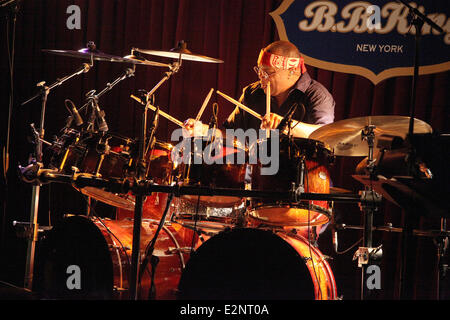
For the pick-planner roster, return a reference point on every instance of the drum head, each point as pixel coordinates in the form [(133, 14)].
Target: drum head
[(76, 241), (246, 264)]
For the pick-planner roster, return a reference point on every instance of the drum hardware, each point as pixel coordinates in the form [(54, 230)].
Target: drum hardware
[(96, 112), (367, 254), (44, 92), (389, 228), (172, 250)]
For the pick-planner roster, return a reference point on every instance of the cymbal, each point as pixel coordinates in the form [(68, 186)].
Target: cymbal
[(87, 53), (141, 60), (180, 52), (344, 136)]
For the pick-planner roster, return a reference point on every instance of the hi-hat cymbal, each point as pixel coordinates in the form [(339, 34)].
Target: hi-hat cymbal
[(344, 136), (180, 52)]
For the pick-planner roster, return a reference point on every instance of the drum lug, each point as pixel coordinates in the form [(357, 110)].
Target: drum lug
[(115, 246), (172, 250), (115, 288)]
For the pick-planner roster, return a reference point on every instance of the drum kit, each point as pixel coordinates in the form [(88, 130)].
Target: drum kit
[(196, 231)]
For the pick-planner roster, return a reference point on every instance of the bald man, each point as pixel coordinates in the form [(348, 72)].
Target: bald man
[(281, 64)]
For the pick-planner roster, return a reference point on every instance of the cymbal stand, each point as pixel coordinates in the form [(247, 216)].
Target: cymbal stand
[(367, 254), (33, 234), (442, 243), (139, 196), (418, 20)]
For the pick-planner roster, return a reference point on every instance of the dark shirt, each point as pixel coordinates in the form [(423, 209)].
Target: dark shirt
[(315, 104)]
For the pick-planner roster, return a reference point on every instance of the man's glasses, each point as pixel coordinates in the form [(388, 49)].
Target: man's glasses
[(263, 74)]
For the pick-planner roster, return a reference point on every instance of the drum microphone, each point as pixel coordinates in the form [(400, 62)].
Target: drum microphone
[(335, 239), (75, 114), (102, 125), (287, 118), (213, 123)]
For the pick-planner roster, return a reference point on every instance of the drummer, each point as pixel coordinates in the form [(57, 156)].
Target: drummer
[(281, 65)]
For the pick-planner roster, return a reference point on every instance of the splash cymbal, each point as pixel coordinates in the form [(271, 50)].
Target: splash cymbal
[(344, 136)]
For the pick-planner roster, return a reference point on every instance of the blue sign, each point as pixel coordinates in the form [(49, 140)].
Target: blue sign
[(373, 39)]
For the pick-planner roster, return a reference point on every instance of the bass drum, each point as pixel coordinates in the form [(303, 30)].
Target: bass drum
[(100, 251), (256, 264)]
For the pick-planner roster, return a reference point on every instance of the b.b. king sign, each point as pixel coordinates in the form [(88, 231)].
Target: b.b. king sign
[(372, 39)]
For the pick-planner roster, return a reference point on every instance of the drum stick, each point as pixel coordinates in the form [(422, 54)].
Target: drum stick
[(268, 106), (240, 105), (205, 103), (162, 113)]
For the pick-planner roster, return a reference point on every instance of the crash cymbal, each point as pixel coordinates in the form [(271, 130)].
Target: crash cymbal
[(141, 60), (344, 136), (180, 52), (88, 53)]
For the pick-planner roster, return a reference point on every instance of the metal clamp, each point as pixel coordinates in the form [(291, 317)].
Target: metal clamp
[(366, 255)]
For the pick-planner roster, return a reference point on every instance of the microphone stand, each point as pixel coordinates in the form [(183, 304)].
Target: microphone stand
[(139, 197), (418, 20), (33, 234), (93, 98)]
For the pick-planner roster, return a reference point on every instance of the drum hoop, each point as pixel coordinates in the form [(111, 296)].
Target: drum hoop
[(318, 143), (311, 206), (315, 251)]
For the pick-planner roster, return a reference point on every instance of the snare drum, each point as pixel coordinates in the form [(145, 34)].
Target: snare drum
[(101, 249), (256, 264), (301, 162), (209, 220)]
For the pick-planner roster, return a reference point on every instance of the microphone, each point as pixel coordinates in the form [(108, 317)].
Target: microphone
[(102, 125), (75, 115), (155, 119), (287, 118), (99, 114), (334, 235), (213, 123)]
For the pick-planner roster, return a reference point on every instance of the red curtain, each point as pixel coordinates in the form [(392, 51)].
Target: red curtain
[(233, 31)]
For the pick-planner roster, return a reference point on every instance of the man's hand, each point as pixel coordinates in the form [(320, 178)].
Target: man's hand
[(271, 121), (194, 128)]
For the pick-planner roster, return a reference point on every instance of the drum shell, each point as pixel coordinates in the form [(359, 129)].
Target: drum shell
[(256, 264), (316, 179), (223, 172), (102, 250)]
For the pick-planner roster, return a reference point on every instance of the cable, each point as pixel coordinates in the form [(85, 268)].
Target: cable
[(197, 207)]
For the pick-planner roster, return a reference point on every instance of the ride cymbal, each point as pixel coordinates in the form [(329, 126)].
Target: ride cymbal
[(344, 136)]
